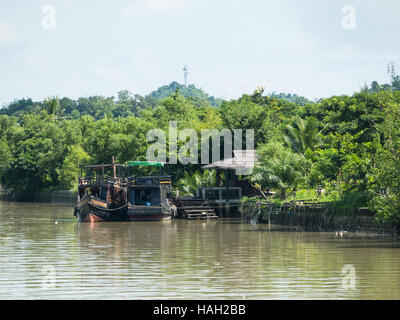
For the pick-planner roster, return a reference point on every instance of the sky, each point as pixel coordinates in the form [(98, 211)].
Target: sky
[(80, 48)]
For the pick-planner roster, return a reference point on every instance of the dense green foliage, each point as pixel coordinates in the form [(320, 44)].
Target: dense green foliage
[(280, 168), (299, 100), (385, 176), (347, 145), (124, 105), (196, 96), (190, 183)]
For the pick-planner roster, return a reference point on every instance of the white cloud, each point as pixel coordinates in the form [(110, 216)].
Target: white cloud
[(233, 86), (7, 34), (144, 60), (349, 52), (154, 6), (111, 73)]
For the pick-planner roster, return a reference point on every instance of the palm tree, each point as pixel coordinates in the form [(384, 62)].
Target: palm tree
[(279, 168), (189, 184), (304, 135), (53, 105)]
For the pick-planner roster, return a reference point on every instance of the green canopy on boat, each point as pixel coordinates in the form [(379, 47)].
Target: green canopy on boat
[(144, 163)]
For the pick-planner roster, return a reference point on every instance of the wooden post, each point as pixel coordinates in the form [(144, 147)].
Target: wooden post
[(269, 219), (114, 168)]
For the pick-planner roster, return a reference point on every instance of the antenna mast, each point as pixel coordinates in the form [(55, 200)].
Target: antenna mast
[(390, 69), (186, 71)]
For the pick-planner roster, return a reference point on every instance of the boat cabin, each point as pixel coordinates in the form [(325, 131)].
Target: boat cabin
[(111, 193), (148, 196), (149, 191), (95, 180)]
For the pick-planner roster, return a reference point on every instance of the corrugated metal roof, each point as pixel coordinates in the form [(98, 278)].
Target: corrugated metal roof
[(243, 161)]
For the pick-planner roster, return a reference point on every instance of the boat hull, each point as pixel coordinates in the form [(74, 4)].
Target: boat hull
[(92, 211), (152, 213)]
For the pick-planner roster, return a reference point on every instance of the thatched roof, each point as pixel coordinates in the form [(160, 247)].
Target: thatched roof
[(243, 162)]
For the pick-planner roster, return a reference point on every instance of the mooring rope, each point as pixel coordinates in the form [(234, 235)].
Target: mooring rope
[(107, 209)]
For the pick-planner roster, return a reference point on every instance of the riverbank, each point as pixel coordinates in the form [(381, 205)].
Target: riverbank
[(56, 196), (326, 218), (316, 217)]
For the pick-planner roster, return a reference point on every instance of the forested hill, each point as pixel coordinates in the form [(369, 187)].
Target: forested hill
[(294, 98), (124, 105), (128, 104), (198, 96)]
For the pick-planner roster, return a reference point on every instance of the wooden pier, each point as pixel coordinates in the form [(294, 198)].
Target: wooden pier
[(222, 199), (193, 208)]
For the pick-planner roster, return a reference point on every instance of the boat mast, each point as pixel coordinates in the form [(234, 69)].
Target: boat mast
[(114, 168)]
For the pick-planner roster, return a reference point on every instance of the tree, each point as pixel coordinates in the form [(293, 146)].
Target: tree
[(304, 135), (126, 105), (245, 114), (5, 155), (53, 106), (279, 168), (294, 98), (21, 106), (38, 147), (197, 96), (375, 87), (385, 178), (69, 171), (190, 183)]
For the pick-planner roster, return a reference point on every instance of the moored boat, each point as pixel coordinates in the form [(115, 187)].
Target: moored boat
[(110, 197), (149, 197), (101, 197)]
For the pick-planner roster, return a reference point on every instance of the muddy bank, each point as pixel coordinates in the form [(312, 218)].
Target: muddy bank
[(58, 196), (326, 218)]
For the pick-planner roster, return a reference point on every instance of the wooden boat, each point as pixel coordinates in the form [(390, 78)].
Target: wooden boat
[(123, 197), (149, 197), (100, 197)]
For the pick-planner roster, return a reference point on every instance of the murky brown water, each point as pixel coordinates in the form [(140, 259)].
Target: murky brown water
[(46, 254)]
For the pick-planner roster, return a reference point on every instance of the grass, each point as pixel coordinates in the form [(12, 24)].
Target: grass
[(348, 200)]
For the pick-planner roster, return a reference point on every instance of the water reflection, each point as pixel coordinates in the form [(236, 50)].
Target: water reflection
[(184, 259)]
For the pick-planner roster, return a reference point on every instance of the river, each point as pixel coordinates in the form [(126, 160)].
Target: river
[(46, 254)]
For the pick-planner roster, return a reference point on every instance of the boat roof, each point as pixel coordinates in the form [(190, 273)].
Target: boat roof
[(243, 159), (127, 164), (101, 166), (144, 163)]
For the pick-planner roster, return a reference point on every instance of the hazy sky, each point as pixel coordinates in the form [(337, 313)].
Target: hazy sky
[(80, 48)]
